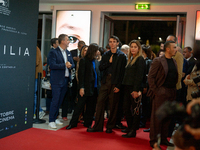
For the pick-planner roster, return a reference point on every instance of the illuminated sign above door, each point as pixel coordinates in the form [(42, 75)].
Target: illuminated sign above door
[(142, 6)]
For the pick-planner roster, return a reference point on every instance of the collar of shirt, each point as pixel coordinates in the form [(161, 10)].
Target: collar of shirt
[(78, 52), (188, 58), (113, 53), (52, 47), (62, 50)]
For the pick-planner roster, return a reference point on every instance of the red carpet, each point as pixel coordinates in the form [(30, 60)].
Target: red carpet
[(74, 139)]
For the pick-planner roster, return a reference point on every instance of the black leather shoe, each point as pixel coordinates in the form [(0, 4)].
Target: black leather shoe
[(120, 126), (93, 130), (108, 130), (166, 142), (69, 127), (132, 133), (146, 130), (126, 130)]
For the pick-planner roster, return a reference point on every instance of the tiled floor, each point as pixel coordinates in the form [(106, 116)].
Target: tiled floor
[(45, 125)]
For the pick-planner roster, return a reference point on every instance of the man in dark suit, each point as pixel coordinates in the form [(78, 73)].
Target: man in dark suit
[(54, 45), (61, 62), (162, 79), (76, 54), (187, 53)]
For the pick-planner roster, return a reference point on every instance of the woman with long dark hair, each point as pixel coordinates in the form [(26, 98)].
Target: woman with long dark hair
[(89, 83), (133, 79)]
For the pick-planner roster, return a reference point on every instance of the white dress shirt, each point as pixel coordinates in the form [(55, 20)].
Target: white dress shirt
[(78, 52), (65, 58)]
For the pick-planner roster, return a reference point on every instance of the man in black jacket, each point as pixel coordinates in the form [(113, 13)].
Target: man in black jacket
[(76, 54), (187, 53), (113, 66)]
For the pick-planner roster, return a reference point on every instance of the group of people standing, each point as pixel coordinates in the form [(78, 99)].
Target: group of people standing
[(116, 76)]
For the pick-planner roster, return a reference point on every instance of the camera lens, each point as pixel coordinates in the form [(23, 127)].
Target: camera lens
[(195, 94)]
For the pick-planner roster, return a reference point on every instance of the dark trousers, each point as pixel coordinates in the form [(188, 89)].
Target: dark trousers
[(48, 99), (90, 102), (74, 94), (131, 108), (58, 93), (156, 127), (65, 103), (106, 90), (146, 109), (120, 112)]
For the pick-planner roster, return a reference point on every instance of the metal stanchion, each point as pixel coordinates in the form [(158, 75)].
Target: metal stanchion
[(37, 120)]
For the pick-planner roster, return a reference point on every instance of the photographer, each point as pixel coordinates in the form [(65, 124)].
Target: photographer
[(192, 131), (182, 143), (186, 137)]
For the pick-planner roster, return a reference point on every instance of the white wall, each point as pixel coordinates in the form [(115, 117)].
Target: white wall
[(98, 8)]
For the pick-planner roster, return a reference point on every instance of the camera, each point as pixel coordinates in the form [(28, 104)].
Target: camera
[(196, 94)]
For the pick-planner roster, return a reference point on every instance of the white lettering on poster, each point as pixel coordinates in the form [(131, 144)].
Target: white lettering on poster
[(4, 5), (7, 116), (11, 51), (11, 29)]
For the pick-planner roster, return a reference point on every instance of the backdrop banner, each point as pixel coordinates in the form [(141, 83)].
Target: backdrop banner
[(18, 40)]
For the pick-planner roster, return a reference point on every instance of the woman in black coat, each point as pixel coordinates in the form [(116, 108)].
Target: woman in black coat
[(133, 79), (89, 83)]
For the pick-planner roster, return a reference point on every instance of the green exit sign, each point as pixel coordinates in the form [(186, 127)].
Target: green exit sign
[(142, 6)]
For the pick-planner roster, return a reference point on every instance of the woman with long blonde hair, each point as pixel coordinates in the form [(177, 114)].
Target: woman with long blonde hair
[(132, 81)]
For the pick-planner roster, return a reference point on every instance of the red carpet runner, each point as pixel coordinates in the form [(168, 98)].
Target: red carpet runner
[(74, 139)]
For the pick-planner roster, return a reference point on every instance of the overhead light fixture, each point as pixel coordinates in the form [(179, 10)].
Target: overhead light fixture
[(142, 6)]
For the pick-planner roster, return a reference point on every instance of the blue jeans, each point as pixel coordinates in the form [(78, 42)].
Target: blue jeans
[(35, 97)]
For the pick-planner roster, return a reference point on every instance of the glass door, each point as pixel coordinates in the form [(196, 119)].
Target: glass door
[(44, 35), (180, 31), (107, 30)]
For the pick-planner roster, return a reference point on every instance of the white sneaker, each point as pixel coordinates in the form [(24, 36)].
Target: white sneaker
[(34, 116), (58, 122), (41, 114), (52, 125)]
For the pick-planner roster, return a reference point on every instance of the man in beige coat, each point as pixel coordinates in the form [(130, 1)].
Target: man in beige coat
[(38, 68)]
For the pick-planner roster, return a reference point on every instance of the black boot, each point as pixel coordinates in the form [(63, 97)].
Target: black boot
[(127, 130), (130, 134)]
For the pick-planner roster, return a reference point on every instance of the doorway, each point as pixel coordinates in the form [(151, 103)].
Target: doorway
[(150, 29)]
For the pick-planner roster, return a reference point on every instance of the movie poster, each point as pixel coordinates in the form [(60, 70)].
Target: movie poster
[(18, 40), (76, 24)]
